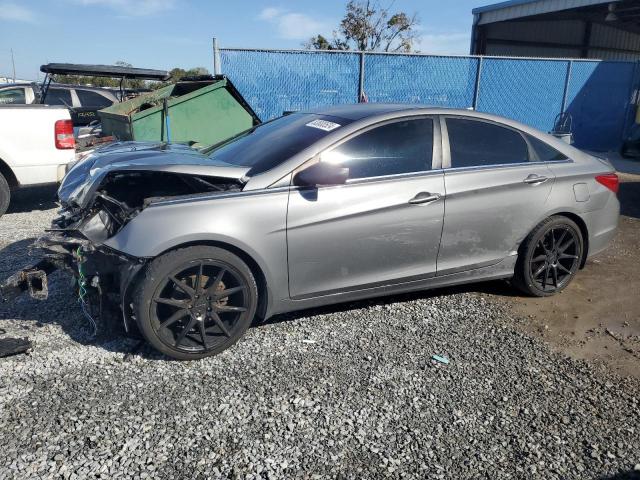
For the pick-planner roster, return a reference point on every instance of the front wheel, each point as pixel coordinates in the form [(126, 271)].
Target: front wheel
[(549, 257), (5, 195), (195, 302)]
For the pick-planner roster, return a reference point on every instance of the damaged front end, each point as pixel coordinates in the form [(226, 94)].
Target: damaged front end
[(99, 197)]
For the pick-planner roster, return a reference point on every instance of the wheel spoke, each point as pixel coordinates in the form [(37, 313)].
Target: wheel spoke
[(544, 247), (554, 275), (198, 283), (562, 267), (564, 234), (546, 276), (212, 289), (539, 271), (553, 240), (174, 318), (562, 248), (228, 308), (220, 323), (203, 334), (564, 256), (539, 258), (171, 301), (183, 286), (229, 291), (185, 331)]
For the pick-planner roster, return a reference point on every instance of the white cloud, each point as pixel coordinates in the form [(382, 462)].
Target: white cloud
[(445, 43), (270, 13), (132, 7), (294, 25), (14, 12)]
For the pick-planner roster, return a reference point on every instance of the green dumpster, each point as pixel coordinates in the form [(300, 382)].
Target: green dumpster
[(202, 111)]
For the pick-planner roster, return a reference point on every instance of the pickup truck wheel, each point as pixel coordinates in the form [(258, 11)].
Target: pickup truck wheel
[(5, 195), (195, 302)]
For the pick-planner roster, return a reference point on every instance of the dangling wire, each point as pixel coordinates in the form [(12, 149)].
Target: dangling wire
[(82, 293)]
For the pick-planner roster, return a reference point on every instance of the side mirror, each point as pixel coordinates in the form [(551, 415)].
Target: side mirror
[(321, 173)]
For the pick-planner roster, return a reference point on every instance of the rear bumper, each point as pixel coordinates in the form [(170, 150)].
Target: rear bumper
[(602, 225)]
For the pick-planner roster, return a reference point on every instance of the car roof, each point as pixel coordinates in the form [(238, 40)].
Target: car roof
[(358, 111), (361, 111)]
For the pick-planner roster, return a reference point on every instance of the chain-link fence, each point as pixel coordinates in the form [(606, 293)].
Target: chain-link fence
[(598, 95)]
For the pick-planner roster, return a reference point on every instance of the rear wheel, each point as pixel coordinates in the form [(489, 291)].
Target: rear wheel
[(195, 302), (550, 257), (5, 195)]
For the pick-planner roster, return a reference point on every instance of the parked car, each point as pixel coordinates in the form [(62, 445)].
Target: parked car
[(322, 207), (82, 101), (36, 145), (58, 94)]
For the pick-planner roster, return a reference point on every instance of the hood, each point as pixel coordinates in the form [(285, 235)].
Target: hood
[(85, 177)]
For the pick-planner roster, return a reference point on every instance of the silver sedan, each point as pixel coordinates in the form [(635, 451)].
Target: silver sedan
[(326, 206)]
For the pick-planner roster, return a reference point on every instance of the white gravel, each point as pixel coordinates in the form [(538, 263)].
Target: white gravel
[(343, 392)]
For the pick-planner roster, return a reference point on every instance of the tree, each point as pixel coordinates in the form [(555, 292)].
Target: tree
[(369, 26)]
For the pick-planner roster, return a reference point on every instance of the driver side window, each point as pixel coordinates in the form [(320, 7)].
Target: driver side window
[(391, 149)]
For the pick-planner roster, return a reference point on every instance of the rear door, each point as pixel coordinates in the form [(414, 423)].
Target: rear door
[(383, 226), (494, 193)]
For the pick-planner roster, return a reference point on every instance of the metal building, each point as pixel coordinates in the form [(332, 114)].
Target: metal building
[(608, 30)]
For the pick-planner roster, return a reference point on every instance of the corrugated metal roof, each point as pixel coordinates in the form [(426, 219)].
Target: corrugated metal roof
[(511, 9)]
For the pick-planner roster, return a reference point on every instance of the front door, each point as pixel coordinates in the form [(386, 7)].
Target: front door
[(382, 227)]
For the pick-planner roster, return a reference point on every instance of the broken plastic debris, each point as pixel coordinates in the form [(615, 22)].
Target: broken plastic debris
[(14, 346), (440, 359)]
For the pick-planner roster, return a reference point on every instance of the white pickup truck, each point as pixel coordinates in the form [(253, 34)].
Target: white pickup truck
[(36, 144)]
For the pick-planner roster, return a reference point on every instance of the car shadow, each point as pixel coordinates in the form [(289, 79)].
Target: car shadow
[(33, 198), (493, 287), (627, 475), (62, 309)]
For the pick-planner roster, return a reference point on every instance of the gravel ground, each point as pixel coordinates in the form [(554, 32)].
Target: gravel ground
[(342, 392)]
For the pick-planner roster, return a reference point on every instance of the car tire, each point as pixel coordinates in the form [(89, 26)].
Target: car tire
[(195, 302), (549, 257), (5, 195)]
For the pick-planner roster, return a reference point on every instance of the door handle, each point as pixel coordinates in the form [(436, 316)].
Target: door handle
[(534, 179), (424, 197)]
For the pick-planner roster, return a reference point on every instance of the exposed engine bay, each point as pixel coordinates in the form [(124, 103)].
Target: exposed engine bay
[(100, 207)]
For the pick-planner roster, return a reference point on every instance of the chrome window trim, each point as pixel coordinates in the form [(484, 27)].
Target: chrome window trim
[(396, 176), (505, 165)]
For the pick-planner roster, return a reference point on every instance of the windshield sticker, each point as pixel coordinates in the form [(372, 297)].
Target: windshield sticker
[(323, 125)]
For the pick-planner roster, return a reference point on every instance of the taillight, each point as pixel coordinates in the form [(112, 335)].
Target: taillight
[(64, 135), (610, 180)]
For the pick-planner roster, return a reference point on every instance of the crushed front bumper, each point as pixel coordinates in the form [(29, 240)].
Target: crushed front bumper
[(102, 275)]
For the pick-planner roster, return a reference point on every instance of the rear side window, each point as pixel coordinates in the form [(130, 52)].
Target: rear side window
[(58, 96), (399, 147), (12, 96), (545, 152), (475, 143), (93, 99)]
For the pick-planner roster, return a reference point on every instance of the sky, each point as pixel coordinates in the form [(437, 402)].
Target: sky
[(177, 33)]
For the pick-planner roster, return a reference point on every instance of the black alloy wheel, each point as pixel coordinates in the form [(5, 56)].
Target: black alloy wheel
[(194, 305), (549, 257), (555, 259)]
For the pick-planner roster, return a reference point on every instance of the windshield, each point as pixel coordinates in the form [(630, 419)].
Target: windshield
[(270, 144)]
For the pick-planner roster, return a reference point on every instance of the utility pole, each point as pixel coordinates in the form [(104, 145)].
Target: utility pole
[(217, 70), (14, 66)]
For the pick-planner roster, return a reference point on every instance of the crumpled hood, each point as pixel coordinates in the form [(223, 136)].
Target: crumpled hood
[(82, 181)]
